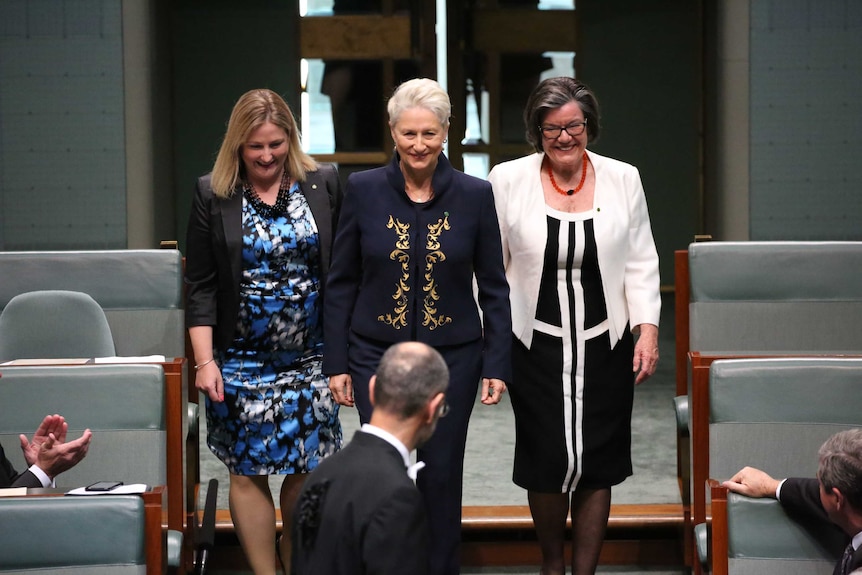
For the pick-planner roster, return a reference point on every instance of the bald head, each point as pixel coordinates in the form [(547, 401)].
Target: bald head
[(410, 374)]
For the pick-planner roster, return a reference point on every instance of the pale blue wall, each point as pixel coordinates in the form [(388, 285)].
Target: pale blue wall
[(62, 149), (64, 152), (806, 120)]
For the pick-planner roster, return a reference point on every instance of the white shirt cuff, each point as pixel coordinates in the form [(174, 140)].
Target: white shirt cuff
[(42, 476), (778, 489)]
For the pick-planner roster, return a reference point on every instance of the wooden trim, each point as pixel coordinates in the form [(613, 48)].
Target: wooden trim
[(515, 517), (155, 537), (720, 533), (174, 416), (355, 37), (642, 552), (504, 535), (354, 158), (623, 516), (495, 29), (699, 410), (501, 148), (699, 438), (227, 554)]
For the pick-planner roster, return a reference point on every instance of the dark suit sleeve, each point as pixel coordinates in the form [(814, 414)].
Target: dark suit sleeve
[(322, 191), (336, 194), (342, 284), (493, 294), (801, 497), (10, 478), (396, 541), (201, 274), (27, 479), (7, 472)]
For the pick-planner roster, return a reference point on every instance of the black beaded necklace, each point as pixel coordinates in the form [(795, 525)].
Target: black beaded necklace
[(264, 209)]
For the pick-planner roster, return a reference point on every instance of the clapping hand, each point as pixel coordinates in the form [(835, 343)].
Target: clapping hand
[(49, 449)]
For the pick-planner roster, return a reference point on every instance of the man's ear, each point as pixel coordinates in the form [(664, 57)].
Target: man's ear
[(371, 383), (433, 407), (839, 498)]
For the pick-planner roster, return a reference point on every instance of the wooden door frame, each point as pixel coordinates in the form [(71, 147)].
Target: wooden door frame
[(496, 31), (387, 36)]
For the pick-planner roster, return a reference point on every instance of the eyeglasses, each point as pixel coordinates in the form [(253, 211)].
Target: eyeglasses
[(443, 410), (554, 132)]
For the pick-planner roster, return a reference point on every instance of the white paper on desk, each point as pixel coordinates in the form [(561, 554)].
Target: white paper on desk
[(49, 361), (13, 491), (132, 488), (131, 359)]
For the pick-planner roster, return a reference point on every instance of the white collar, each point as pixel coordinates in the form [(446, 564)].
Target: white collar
[(389, 438)]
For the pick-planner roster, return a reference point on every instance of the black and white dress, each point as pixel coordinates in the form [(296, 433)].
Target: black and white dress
[(572, 394)]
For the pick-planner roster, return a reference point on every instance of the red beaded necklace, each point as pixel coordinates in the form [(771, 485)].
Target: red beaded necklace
[(570, 192)]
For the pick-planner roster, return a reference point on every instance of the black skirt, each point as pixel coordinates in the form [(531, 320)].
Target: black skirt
[(572, 394)]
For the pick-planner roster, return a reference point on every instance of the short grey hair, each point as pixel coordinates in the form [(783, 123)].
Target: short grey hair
[(841, 465), (409, 375), (555, 93), (420, 93)]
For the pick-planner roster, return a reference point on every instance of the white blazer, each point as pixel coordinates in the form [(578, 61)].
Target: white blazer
[(627, 256)]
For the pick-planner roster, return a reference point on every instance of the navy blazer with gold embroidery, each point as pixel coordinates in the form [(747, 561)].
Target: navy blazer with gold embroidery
[(214, 249), (403, 271)]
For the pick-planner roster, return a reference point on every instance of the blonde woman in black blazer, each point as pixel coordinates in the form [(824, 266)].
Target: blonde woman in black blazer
[(258, 245)]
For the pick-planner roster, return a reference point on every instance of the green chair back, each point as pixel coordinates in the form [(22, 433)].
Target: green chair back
[(102, 535), (123, 405)]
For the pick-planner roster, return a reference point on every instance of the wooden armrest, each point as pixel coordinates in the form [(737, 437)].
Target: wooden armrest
[(719, 526)]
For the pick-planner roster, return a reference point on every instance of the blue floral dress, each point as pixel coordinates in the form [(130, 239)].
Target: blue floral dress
[(278, 416)]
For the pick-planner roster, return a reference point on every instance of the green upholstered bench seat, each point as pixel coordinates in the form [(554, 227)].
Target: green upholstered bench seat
[(763, 540), (123, 404), (758, 297), (99, 535), (760, 528), (775, 413), (141, 291)]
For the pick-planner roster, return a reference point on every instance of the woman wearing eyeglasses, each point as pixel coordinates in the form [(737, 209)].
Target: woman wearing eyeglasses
[(584, 287)]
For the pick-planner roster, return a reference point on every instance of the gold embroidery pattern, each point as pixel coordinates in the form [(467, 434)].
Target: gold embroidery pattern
[(400, 254), (435, 255)]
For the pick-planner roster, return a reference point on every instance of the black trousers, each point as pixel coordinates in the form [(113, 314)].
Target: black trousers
[(440, 481)]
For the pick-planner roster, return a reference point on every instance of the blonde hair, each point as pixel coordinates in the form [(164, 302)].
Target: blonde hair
[(253, 109), (420, 93)]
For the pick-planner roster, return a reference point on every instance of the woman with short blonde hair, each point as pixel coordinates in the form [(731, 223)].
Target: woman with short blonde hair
[(412, 236)]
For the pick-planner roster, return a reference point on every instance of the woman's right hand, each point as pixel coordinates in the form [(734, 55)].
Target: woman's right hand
[(341, 386), (208, 380)]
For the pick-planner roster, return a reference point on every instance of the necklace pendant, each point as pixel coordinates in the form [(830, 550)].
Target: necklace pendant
[(570, 191)]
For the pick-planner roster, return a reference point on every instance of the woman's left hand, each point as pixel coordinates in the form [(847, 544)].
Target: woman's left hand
[(646, 352), (492, 390)]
